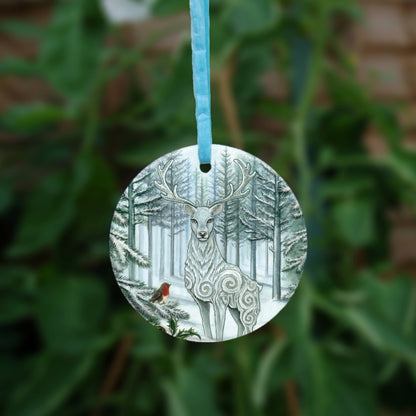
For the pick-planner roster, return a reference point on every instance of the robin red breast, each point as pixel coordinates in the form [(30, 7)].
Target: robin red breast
[(161, 294)]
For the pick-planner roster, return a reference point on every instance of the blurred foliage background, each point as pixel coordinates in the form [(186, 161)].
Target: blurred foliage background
[(96, 102)]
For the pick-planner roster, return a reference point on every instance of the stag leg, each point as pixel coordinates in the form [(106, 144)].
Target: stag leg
[(236, 315), (206, 323), (219, 311)]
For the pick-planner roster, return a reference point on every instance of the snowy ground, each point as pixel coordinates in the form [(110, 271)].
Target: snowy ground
[(269, 309)]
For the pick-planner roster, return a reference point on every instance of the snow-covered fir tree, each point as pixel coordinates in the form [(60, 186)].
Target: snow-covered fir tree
[(173, 221), (226, 221), (178, 176), (237, 235), (134, 207), (262, 221), (294, 238), (121, 252), (295, 245), (162, 221), (147, 204)]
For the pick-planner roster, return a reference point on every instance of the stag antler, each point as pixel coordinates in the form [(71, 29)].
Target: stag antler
[(169, 194), (239, 192)]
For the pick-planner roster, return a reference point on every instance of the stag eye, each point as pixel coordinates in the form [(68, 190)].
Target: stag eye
[(194, 221), (210, 220)]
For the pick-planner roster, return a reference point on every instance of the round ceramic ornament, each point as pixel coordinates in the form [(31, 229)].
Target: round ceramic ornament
[(208, 256)]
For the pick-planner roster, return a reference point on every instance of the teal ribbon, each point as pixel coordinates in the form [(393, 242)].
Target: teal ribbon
[(201, 76)]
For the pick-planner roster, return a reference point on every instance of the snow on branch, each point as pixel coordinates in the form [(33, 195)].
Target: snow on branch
[(119, 219), (263, 201), (121, 253), (139, 294), (297, 262), (299, 236)]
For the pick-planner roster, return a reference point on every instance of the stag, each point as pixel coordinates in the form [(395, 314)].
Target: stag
[(208, 277)]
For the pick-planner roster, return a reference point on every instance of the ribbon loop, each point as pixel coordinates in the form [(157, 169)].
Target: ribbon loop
[(201, 76)]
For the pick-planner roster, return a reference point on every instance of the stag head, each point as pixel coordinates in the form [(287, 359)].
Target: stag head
[(202, 217)]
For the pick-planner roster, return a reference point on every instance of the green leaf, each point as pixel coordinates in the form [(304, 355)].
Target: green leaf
[(73, 49), (350, 9), (31, 117), (22, 29), (14, 308), (48, 213), (328, 382), (186, 333), (381, 318), (192, 392), (163, 8), (70, 312), (50, 382), (403, 165), (97, 197), (18, 67), (354, 221), (347, 378), (150, 150), (381, 334), (388, 124), (265, 368), (6, 197), (17, 290), (248, 17), (174, 99), (176, 403), (173, 325), (347, 187)]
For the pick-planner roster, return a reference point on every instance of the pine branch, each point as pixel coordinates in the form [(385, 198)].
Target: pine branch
[(119, 218), (263, 201), (119, 234), (271, 196), (297, 263), (268, 214), (150, 211), (151, 200), (257, 221), (300, 236), (139, 294)]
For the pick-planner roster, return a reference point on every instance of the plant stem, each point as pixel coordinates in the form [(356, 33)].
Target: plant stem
[(114, 372), (228, 104), (304, 105)]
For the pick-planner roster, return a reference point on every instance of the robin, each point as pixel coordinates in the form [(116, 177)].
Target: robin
[(161, 294)]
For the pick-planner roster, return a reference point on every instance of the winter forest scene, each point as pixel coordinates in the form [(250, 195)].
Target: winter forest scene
[(208, 256)]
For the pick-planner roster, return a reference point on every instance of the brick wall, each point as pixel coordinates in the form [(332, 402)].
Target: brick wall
[(386, 52), (16, 90)]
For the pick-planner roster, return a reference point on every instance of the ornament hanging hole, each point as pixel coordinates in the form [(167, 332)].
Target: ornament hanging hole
[(205, 167)]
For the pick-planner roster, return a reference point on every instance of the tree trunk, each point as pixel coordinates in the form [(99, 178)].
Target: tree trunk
[(267, 259), (172, 232), (150, 250), (180, 257), (225, 236), (162, 253), (225, 246), (253, 244), (131, 232), (172, 240), (215, 184), (237, 237), (277, 291), (253, 257)]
